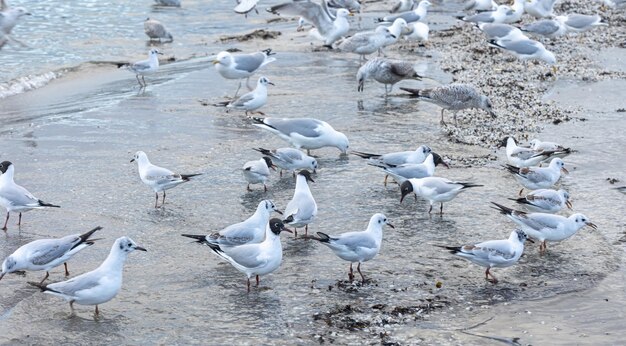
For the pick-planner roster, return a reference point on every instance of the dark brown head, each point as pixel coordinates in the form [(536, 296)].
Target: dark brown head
[(307, 175), (4, 166), (405, 188), (277, 226), (439, 160)]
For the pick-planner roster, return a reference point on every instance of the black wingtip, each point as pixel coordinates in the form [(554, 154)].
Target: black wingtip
[(502, 209), (41, 286), (187, 176), (323, 237), (451, 249), (44, 204), (198, 237), (85, 236), (415, 92), (520, 200), (468, 185)]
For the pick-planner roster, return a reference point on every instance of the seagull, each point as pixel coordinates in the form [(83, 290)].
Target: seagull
[(416, 31), (493, 253), (305, 133), (454, 97), (328, 27), (385, 71), (418, 14), (246, 6), (254, 99), (173, 3), (15, 198), (357, 246), (517, 12), (290, 159), (256, 259), (396, 158), (539, 177), (97, 286), (434, 189), (580, 23), (240, 66), (499, 31), (158, 178), (395, 29), (546, 227), (351, 5), (45, 254), (552, 147), (539, 8), (402, 6), (545, 200), (9, 16), (480, 5), (497, 16), (250, 231), (302, 209), (144, 67), (156, 30), (526, 50), (549, 28), (522, 156), (412, 170), (365, 43), (257, 172)]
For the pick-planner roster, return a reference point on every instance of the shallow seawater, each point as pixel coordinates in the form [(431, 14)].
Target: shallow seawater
[(71, 143)]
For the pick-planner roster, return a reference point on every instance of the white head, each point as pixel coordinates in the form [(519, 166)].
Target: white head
[(268, 206), (343, 13), (581, 221), (504, 9), (485, 104), (557, 163), (341, 142), (519, 235), (264, 81), (154, 53), (424, 4), (126, 245), (312, 163), (17, 12), (534, 144), (424, 149), (399, 23), (140, 157), (548, 57), (378, 221), (8, 266), (223, 58)]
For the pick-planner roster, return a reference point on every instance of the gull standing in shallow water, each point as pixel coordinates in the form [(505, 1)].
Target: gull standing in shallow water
[(434, 189), (454, 97), (254, 99), (493, 253), (172, 3), (156, 30), (522, 156), (15, 198), (144, 67), (302, 209), (412, 170), (545, 200), (305, 133), (256, 259), (250, 231), (365, 43), (385, 71), (328, 27), (158, 178), (97, 286), (257, 171), (357, 246), (290, 159), (546, 227), (9, 17), (534, 178), (45, 254), (396, 158), (240, 66)]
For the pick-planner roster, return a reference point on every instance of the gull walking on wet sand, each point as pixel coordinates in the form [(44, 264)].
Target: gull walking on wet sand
[(357, 246), (240, 66), (249, 231), (385, 71), (258, 171), (157, 31), (290, 159), (534, 178), (302, 209), (526, 50), (98, 286), (256, 259), (546, 227), (305, 133), (45, 254), (15, 198), (493, 253), (253, 100), (434, 189), (144, 67), (158, 178), (454, 97)]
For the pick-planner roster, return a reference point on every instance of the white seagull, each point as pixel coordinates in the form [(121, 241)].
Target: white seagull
[(290, 159), (493, 253), (412, 170), (45, 254), (480, 5), (497, 16), (357, 246), (580, 23), (246, 6), (518, 11), (256, 259), (549, 28), (416, 31), (257, 171), (155, 30), (172, 3), (522, 156), (546, 227), (418, 14), (500, 31), (365, 43), (97, 286), (539, 8), (253, 100), (15, 198), (396, 158), (434, 189), (158, 178), (526, 50), (9, 16), (249, 231), (539, 177), (305, 133), (541, 146), (545, 200), (302, 209), (144, 67), (402, 6), (240, 66)]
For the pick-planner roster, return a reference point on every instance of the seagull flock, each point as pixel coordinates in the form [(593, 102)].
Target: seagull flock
[(253, 246)]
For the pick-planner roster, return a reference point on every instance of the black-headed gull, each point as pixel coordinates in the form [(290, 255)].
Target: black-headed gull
[(45, 254), (250, 231), (155, 30), (519, 156), (290, 159), (257, 171), (412, 170), (454, 97), (546, 227), (259, 258), (158, 178), (15, 198), (551, 148), (357, 246), (144, 67), (302, 209), (418, 14), (493, 253), (240, 66), (434, 189), (545, 200), (253, 100), (97, 286), (305, 133), (535, 178), (385, 71)]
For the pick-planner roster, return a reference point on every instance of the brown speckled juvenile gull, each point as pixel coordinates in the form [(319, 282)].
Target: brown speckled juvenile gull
[(385, 71)]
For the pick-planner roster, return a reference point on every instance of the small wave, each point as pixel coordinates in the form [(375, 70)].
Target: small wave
[(27, 83)]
